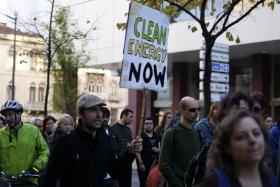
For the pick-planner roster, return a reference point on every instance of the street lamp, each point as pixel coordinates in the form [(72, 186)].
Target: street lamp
[(14, 52)]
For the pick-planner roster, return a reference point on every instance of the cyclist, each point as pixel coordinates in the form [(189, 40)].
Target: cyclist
[(22, 147)]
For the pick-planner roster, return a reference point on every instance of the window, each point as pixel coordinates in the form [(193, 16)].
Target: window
[(41, 93), (90, 86), (95, 82), (114, 89), (9, 91), (33, 64), (98, 87), (95, 86), (32, 92)]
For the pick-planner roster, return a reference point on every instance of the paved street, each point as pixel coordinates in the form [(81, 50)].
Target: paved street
[(135, 180)]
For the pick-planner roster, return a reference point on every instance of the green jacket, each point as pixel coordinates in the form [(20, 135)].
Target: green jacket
[(177, 149), (23, 151)]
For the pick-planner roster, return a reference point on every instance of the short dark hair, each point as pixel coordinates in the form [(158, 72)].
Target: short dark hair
[(46, 120), (105, 111), (232, 99), (125, 112), (148, 118), (259, 98)]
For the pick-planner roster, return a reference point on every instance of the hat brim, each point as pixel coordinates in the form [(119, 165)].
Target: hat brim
[(98, 104)]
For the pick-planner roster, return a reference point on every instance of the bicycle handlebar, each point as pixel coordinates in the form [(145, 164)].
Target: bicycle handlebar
[(24, 174)]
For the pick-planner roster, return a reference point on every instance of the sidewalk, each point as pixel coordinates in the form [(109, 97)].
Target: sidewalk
[(135, 179)]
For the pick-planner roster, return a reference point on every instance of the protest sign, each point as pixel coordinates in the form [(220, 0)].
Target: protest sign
[(144, 64)]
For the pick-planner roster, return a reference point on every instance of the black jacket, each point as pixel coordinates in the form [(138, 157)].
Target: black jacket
[(79, 160), (122, 171)]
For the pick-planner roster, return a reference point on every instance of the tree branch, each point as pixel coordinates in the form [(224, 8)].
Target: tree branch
[(64, 42), (39, 33), (226, 13), (234, 3), (188, 2), (202, 9), (202, 18), (239, 19), (185, 10)]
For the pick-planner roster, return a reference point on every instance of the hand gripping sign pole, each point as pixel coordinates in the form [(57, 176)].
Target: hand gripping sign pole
[(143, 108)]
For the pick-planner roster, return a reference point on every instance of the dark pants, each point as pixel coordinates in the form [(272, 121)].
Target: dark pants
[(142, 178)]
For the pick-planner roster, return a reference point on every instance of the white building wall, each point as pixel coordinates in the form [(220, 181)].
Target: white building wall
[(24, 74), (108, 40), (261, 25)]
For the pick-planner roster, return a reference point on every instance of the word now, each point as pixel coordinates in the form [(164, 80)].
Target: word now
[(147, 72)]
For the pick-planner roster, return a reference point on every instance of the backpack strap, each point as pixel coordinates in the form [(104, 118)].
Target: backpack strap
[(223, 178)]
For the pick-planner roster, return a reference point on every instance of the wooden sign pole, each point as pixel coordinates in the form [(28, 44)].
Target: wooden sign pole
[(145, 91)]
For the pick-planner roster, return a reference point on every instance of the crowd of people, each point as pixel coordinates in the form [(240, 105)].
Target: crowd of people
[(240, 138)]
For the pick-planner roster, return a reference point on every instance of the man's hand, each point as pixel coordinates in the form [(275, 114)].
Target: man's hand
[(155, 149), (33, 170), (141, 167), (136, 145)]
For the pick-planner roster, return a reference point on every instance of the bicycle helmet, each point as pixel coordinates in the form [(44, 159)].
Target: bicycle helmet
[(11, 105)]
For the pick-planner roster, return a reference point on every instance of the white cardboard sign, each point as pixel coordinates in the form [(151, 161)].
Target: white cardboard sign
[(144, 64)]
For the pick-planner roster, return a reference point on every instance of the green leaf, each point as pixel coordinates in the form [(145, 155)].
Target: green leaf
[(212, 11), (119, 25), (237, 40), (194, 29), (230, 37), (226, 5), (271, 5)]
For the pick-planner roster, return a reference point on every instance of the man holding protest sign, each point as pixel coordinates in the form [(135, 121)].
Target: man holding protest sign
[(144, 64), (126, 148)]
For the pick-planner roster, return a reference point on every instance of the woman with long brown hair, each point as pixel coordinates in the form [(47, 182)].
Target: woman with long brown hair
[(237, 157)]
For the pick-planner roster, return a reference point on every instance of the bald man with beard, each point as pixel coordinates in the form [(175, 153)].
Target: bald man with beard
[(180, 144)]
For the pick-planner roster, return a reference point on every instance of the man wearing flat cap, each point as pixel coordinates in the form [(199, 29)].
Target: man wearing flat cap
[(82, 158)]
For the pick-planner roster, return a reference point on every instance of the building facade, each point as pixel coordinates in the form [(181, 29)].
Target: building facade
[(31, 77), (105, 84), (253, 63)]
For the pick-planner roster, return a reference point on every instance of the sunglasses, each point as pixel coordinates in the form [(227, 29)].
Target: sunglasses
[(256, 109), (194, 109)]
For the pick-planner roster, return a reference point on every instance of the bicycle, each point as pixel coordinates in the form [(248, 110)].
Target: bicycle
[(17, 181)]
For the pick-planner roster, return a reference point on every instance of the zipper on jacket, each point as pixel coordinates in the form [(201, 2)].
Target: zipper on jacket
[(78, 160)]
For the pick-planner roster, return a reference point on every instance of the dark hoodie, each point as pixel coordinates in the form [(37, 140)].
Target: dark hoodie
[(79, 160)]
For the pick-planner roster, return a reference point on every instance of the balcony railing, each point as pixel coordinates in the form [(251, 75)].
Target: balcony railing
[(34, 106), (109, 97), (114, 98)]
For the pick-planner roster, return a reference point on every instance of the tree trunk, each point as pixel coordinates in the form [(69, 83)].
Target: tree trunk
[(49, 62), (209, 42)]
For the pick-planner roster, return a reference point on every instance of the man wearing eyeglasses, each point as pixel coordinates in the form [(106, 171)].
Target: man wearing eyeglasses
[(180, 144)]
